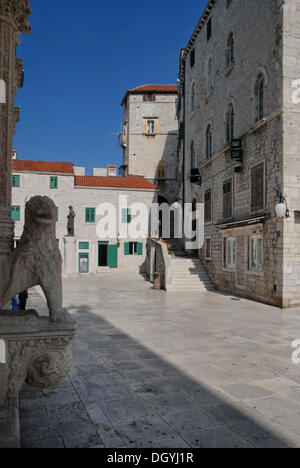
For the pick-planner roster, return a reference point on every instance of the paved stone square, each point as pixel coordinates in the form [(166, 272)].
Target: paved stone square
[(169, 370)]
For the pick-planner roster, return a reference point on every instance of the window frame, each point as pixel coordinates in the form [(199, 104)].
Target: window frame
[(53, 186), (226, 182), (229, 265), (208, 238), (206, 219), (15, 177), (13, 211), (258, 267), (230, 123), (260, 97), (209, 29), (230, 50), (209, 142), (88, 218), (210, 81), (254, 208), (192, 58)]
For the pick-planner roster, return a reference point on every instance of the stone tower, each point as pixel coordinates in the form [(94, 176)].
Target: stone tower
[(13, 21)]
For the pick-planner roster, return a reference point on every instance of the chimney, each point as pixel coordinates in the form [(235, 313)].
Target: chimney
[(14, 155), (111, 170)]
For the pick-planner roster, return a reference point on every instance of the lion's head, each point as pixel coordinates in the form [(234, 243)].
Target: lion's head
[(40, 215)]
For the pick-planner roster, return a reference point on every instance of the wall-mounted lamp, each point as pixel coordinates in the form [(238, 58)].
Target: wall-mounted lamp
[(281, 208), (118, 240)]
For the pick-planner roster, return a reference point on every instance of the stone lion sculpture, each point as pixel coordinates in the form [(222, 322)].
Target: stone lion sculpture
[(37, 261)]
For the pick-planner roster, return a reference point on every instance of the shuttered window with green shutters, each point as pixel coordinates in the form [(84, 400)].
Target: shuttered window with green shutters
[(15, 181), (133, 248), (257, 188), (57, 214), (84, 246), (90, 215), (53, 182), (126, 215), (16, 213), (227, 199)]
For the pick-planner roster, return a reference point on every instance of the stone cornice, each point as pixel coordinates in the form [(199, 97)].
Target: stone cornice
[(17, 11)]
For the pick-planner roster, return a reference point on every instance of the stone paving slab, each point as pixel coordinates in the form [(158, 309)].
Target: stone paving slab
[(169, 371)]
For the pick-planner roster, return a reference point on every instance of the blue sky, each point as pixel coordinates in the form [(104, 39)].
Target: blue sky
[(80, 59)]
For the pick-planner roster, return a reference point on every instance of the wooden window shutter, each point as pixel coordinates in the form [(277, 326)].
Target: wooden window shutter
[(257, 188), (126, 248), (140, 248), (112, 256), (156, 126), (145, 126)]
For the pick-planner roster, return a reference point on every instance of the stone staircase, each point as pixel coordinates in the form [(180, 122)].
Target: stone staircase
[(188, 274)]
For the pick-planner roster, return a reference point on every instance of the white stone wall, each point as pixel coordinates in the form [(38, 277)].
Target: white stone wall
[(32, 184), (144, 152)]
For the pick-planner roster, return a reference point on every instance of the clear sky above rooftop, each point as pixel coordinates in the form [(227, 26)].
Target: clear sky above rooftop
[(80, 59)]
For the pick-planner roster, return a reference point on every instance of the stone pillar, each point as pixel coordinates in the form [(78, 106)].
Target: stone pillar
[(13, 21), (70, 260)]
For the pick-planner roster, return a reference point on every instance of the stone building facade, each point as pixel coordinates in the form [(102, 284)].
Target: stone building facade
[(238, 88), (68, 186), (150, 136)]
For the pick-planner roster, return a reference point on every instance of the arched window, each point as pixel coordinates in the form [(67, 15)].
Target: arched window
[(208, 142), (193, 156), (161, 170), (193, 97), (230, 124), (260, 98), (209, 75), (230, 50)]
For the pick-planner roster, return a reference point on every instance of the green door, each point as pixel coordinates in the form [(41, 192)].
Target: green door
[(113, 256)]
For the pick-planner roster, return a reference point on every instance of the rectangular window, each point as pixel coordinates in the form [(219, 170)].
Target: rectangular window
[(15, 181), (208, 206), (54, 183), (84, 246), (90, 215), (257, 188), (256, 253), (209, 29), (133, 248), (150, 126), (126, 216), (149, 97), (57, 214), (229, 252), (227, 199), (16, 213), (192, 58), (208, 248)]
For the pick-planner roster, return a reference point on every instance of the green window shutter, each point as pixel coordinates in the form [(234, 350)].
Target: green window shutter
[(140, 248), (84, 245), (15, 181), (53, 182), (126, 216), (112, 256), (57, 214), (126, 248), (16, 213), (207, 206), (90, 215)]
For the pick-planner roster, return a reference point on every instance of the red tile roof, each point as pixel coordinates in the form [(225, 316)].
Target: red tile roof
[(43, 166), (114, 182), (151, 88)]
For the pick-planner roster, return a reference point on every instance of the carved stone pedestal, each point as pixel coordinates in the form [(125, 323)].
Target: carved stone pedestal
[(36, 351), (70, 260)]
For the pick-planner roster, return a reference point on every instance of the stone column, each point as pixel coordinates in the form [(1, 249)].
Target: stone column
[(13, 21), (70, 260)]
